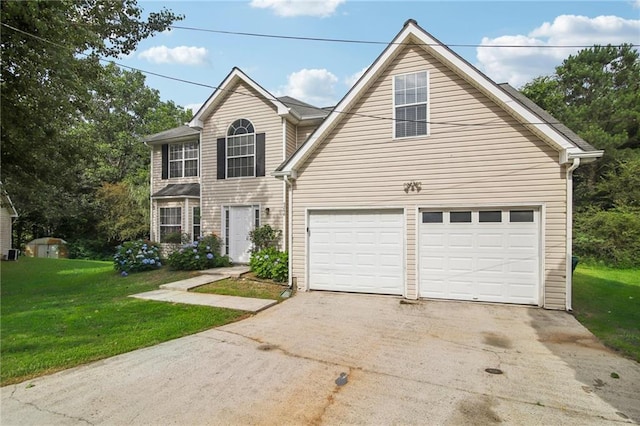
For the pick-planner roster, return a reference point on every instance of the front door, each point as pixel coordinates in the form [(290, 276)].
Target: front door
[(241, 221)]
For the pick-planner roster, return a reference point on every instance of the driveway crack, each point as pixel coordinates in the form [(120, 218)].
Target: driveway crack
[(44, 410)]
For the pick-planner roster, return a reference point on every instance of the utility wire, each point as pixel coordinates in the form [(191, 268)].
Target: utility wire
[(352, 41), (216, 88)]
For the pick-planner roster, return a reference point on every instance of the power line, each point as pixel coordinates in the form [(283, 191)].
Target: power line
[(216, 88), (353, 41)]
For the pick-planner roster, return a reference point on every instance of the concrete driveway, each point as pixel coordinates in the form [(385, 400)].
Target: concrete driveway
[(420, 363)]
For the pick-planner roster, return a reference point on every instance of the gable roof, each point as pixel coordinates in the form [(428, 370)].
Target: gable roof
[(173, 135), (412, 34), (304, 110), (236, 75), (5, 202)]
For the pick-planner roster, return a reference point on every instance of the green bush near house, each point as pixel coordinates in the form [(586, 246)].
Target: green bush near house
[(265, 237), (198, 255), (137, 256), (270, 264)]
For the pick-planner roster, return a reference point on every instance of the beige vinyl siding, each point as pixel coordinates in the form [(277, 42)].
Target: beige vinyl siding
[(5, 231), (359, 164), (291, 139), (303, 133), (248, 191), (157, 183)]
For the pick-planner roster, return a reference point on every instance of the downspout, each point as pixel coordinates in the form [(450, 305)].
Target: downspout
[(568, 261), (289, 185), (151, 212)]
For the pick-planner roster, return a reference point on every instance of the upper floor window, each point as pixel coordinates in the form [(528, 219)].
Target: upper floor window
[(410, 98), (241, 144), (183, 160)]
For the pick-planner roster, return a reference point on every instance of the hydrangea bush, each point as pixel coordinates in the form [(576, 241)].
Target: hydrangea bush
[(136, 256), (270, 264), (201, 254)]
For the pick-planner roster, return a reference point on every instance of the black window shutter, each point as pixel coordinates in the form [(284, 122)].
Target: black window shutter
[(260, 167), (222, 158), (165, 161)]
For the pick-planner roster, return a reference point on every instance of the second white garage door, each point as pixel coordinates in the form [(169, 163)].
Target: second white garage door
[(489, 255), (356, 251)]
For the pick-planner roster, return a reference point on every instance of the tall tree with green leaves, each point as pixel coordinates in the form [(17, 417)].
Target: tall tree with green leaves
[(49, 72), (596, 92)]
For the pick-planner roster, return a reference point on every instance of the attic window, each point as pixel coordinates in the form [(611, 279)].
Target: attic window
[(410, 102)]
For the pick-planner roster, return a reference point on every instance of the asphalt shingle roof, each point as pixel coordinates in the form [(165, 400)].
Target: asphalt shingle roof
[(175, 133), (547, 118), (303, 109), (179, 190)]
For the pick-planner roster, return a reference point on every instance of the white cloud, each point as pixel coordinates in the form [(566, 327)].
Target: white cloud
[(290, 8), (186, 55), (518, 65), (315, 86), (353, 78), (636, 4), (193, 107)]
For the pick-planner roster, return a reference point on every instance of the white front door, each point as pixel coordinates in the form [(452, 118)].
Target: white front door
[(241, 222)]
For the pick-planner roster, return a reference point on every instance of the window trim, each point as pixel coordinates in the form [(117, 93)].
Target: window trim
[(427, 104), (177, 224), (196, 236), (182, 160), (229, 157)]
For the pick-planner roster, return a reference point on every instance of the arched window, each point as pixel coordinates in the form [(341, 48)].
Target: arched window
[(241, 149)]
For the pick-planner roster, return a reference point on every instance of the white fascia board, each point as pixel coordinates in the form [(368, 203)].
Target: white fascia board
[(446, 55), (236, 74)]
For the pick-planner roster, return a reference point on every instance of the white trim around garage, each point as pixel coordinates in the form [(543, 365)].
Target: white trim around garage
[(360, 210), (539, 213)]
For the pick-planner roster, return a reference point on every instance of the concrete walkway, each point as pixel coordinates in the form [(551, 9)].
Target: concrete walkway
[(178, 292)]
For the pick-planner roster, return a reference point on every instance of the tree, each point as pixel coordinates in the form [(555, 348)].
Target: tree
[(597, 94), (49, 73)]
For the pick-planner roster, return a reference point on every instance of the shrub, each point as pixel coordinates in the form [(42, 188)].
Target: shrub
[(270, 263), (611, 237), (201, 254), (264, 237), (136, 256)]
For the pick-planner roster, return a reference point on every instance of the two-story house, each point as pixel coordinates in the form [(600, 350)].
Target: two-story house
[(427, 180), (214, 175)]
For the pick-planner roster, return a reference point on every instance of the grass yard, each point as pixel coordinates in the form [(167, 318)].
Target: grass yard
[(59, 313), (607, 302), (246, 287)]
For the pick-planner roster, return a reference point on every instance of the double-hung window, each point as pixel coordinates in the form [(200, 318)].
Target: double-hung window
[(183, 160), (170, 224), (241, 149), (410, 103)]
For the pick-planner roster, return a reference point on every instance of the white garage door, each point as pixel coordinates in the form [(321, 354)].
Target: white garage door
[(356, 251), (485, 255)]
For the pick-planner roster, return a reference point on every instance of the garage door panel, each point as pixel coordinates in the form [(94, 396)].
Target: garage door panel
[(364, 253), (487, 261)]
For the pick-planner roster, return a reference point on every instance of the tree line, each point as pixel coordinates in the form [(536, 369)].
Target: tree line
[(75, 166)]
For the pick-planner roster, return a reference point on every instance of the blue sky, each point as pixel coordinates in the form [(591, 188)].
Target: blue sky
[(322, 72)]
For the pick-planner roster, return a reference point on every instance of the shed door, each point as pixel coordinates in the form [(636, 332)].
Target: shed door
[(356, 251), (489, 255)]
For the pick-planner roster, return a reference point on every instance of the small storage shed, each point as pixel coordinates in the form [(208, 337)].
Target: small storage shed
[(47, 247)]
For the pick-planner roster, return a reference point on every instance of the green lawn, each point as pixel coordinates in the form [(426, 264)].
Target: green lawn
[(59, 313), (607, 302), (245, 287)]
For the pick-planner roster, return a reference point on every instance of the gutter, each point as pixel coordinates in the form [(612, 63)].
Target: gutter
[(568, 260)]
